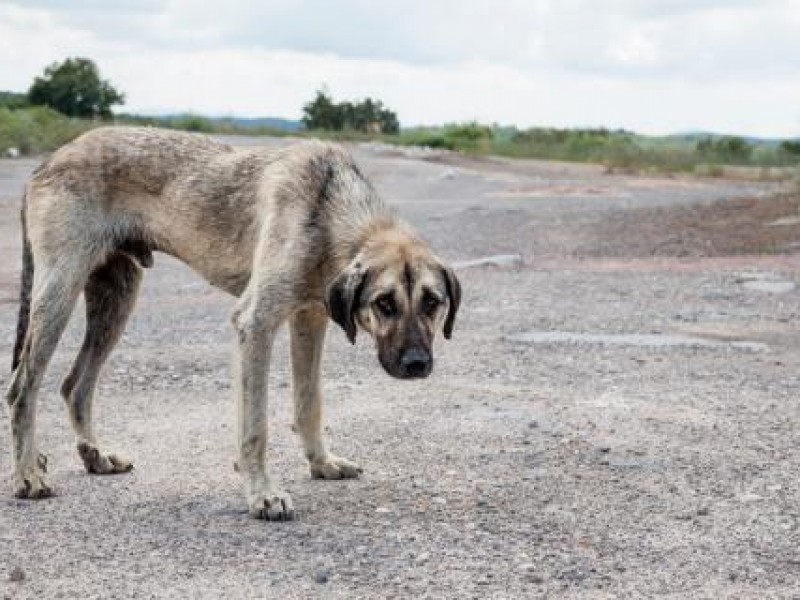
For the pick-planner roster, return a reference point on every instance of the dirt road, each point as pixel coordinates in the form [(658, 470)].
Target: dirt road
[(618, 417)]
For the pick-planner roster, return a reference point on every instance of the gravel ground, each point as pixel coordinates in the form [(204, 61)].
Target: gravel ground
[(603, 423)]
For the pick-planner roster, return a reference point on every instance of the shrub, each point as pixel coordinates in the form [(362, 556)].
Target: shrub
[(37, 129)]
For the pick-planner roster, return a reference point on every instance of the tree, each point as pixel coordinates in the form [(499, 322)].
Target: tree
[(367, 116), (74, 88), (791, 147), (322, 113)]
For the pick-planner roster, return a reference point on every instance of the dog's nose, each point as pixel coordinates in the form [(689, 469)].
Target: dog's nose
[(416, 362)]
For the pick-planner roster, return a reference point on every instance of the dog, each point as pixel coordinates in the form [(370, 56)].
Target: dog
[(296, 234)]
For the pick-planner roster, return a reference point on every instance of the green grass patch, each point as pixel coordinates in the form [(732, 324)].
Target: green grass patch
[(37, 129)]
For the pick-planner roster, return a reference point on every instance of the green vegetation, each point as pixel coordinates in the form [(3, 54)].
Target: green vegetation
[(46, 117), (199, 124), (13, 100), (37, 129), (367, 116), (618, 150), (61, 104), (74, 88)]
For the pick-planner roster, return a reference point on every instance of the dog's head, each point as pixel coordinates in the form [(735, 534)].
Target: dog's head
[(400, 293)]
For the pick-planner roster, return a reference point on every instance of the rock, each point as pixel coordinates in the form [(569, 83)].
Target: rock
[(749, 497), (322, 575), (790, 220), (770, 287), (12, 152), (497, 260)]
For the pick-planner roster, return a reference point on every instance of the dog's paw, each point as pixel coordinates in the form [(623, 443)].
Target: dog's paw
[(335, 467), (98, 463), (271, 506), (30, 484)]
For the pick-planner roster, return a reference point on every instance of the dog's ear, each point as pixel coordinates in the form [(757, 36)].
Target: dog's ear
[(454, 296), (343, 296)]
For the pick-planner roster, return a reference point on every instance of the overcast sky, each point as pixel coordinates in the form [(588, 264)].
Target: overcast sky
[(658, 66)]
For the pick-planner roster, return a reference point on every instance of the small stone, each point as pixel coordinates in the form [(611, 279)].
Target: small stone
[(17, 575), (322, 575), (747, 498), (422, 558), (439, 500), (383, 510), (703, 511)]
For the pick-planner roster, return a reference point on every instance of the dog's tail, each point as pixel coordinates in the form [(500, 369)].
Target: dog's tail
[(25, 289)]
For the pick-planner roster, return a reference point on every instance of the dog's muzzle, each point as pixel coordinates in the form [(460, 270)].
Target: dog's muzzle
[(415, 364)]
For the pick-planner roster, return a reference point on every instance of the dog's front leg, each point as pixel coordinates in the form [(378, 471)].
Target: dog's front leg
[(307, 328), (256, 324)]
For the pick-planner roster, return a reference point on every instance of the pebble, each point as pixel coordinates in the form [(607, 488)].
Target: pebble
[(499, 260), (322, 575)]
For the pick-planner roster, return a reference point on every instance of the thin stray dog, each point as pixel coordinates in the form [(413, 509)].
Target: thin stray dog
[(296, 234)]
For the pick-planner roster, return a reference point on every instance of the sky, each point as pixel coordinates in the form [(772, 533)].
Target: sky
[(655, 67)]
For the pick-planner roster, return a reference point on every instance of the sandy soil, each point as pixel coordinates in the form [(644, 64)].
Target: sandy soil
[(616, 418)]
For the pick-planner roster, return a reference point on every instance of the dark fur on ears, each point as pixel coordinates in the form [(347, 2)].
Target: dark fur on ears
[(454, 295), (342, 298)]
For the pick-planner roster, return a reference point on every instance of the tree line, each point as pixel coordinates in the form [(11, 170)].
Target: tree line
[(75, 88), (367, 116)]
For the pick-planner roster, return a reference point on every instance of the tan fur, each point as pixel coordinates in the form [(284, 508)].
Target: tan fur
[(289, 232)]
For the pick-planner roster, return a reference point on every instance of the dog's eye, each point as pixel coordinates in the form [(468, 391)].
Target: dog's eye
[(429, 304), (386, 305)]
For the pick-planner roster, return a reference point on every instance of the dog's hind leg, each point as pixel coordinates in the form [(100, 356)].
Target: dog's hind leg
[(56, 287), (307, 331), (110, 297)]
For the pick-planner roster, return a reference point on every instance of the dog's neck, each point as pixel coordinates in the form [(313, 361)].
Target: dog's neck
[(372, 236)]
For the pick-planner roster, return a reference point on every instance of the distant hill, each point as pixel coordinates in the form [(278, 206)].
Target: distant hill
[(256, 122), (242, 123)]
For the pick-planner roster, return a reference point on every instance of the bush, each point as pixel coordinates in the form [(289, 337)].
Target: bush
[(13, 100), (193, 123), (37, 129)]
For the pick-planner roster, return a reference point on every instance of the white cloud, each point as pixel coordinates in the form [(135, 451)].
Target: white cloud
[(661, 66)]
